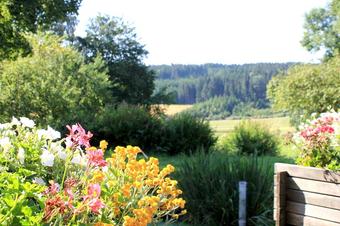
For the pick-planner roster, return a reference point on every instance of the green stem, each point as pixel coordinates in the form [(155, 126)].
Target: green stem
[(65, 170)]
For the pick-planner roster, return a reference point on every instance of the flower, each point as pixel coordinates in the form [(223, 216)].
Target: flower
[(21, 155), (38, 180), (103, 145), (78, 159), (49, 134), (47, 158), (5, 143), (27, 122), (78, 136), (95, 205), (95, 157), (15, 122)]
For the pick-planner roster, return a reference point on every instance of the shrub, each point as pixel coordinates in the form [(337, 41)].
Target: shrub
[(210, 186), (54, 86), (128, 124), (185, 134), (251, 138), (319, 141)]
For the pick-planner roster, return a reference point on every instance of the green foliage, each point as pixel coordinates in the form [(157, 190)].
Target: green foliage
[(186, 134), (199, 83), (53, 85), (214, 108), (20, 201), (117, 44), (134, 125), (17, 17), (318, 141), (129, 125), (222, 107), (322, 28), (307, 88), (251, 138), (210, 187)]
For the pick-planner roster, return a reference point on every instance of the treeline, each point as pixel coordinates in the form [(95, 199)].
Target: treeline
[(198, 83)]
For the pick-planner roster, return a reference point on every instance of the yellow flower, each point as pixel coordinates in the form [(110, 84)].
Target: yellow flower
[(103, 145), (98, 176)]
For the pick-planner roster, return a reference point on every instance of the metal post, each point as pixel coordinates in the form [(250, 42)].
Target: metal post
[(242, 211)]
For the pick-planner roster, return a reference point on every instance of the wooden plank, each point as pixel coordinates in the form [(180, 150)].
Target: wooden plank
[(280, 196), (308, 172), (313, 198), (313, 211), (313, 186), (298, 220)]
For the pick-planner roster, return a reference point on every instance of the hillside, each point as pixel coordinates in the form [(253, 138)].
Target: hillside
[(218, 90)]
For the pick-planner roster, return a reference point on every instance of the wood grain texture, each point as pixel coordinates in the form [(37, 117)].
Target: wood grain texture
[(311, 173), (296, 219)]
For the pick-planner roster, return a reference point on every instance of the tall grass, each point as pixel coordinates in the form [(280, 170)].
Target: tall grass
[(210, 185)]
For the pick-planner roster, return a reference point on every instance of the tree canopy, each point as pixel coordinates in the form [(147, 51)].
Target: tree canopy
[(20, 16), (117, 43), (53, 85), (306, 89), (322, 29)]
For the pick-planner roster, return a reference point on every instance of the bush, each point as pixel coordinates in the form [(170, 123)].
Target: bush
[(129, 125), (210, 186), (54, 86), (185, 134), (251, 138)]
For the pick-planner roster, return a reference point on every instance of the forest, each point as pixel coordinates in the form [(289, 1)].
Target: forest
[(218, 90)]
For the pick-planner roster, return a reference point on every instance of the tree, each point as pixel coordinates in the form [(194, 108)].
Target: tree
[(53, 85), (117, 43), (306, 89), (20, 16), (322, 29)]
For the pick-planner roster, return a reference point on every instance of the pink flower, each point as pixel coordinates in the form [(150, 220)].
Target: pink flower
[(96, 158), (92, 198), (93, 190), (78, 136), (95, 205)]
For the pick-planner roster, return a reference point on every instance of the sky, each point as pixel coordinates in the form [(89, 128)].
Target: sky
[(212, 31)]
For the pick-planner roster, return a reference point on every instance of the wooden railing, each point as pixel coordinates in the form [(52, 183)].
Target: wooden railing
[(306, 196)]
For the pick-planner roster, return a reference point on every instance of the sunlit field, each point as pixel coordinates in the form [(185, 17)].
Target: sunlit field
[(174, 108), (278, 125)]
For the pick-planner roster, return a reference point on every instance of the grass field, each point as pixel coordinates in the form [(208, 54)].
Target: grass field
[(278, 125), (174, 108)]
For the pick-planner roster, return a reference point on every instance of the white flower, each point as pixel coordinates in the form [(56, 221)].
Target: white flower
[(49, 134), (5, 143), (62, 155), (27, 122), (15, 122), (21, 155), (38, 180), (47, 158), (78, 159), (57, 148)]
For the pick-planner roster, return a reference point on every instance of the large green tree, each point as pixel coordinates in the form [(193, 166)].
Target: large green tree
[(322, 29), (117, 43), (54, 85), (20, 16), (306, 89)]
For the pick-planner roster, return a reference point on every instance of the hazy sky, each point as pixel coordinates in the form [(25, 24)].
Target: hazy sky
[(212, 31)]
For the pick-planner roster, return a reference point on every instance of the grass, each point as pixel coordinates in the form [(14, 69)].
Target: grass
[(173, 109), (279, 125)]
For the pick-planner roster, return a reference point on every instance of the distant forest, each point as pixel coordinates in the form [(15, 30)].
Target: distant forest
[(218, 89)]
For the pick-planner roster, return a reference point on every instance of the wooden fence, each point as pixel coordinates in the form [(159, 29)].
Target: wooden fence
[(306, 196)]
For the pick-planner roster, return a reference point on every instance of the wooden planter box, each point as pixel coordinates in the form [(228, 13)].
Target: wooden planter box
[(306, 196)]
